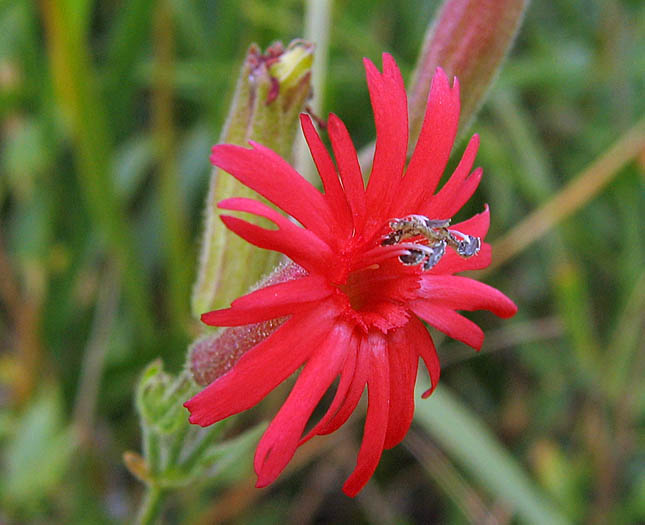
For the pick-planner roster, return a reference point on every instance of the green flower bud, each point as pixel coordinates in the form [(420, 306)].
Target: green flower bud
[(271, 92)]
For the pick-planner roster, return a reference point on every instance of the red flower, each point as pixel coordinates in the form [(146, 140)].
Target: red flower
[(378, 259)]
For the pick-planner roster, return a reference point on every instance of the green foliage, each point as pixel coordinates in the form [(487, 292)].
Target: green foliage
[(160, 397), (465, 437), (38, 449), (175, 453)]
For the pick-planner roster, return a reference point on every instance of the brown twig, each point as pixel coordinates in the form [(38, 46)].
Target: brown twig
[(572, 197), (24, 310)]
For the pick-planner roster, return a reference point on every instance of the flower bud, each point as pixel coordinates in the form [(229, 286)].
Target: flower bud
[(271, 92), (159, 396), (215, 354), (469, 39)]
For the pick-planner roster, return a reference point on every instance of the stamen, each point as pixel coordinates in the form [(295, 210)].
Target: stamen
[(380, 254), (437, 253), (433, 231)]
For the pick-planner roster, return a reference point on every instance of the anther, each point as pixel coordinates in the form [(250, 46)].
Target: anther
[(435, 233)]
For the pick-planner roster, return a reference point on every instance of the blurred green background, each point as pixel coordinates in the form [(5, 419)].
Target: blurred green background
[(107, 113)]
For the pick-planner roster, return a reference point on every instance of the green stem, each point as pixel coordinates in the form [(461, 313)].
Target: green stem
[(317, 27), (177, 446), (199, 450), (151, 505), (151, 451)]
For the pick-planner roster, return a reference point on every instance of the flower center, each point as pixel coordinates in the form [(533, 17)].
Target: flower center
[(386, 277), (378, 294), (361, 287)]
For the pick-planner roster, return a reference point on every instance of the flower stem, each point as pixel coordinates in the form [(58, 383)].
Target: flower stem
[(202, 446), (152, 451), (151, 505), (177, 445)]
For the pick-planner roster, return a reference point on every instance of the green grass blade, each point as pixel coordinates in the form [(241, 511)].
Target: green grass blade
[(79, 97), (467, 439)]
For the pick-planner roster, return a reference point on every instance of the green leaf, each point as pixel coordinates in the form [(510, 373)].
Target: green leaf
[(467, 440), (38, 453), (78, 15)]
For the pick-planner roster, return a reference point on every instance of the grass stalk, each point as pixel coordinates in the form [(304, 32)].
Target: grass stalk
[(175, 228), (78, 93), (571, 198)]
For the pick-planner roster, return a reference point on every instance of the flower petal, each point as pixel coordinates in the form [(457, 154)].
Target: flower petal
[(453, 196), (421, 343), (263, 367), (333, 190), (348, 167), (449, 322), (354, 393), (346, 378), (477, 225), (442, 204), (403, 365), (299, 244), (389, 103), (378, 408), (271, 302), (280, 440), (266, 172), (433, 148), (451, 262), (462, 293)]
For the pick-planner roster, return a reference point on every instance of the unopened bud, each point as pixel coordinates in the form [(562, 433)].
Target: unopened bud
[(469, 39), (215, 354), (159, 398), (271, 92)]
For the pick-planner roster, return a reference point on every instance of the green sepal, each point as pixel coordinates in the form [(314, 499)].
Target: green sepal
[(160, 398)]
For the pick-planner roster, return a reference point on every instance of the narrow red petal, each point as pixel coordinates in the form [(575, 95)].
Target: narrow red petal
[(348, 167), (389, 103), (433, 148), (271, 302), (403, 363), (263, 367), (378, 408), (448, 203), (354, 393), (301, 245), (270, 175), (451, 262), (333, 190), (477, 225), (462, 293), (280, 440), (449, 322), (346, 378), (437, 205), (421, 343)]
